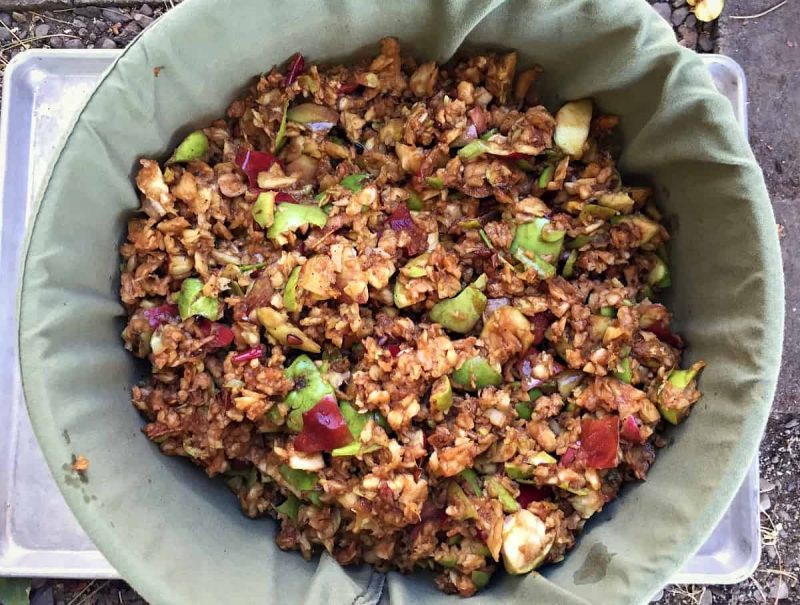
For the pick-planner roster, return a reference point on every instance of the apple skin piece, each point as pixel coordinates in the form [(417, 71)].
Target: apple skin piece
[(475, 374), (193, 147)]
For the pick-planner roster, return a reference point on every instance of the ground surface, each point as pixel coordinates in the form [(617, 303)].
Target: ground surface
[(768, 48)]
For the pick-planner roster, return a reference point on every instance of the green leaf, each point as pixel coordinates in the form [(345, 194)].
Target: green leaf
[(471, 477), (15, 591), (298, 479), (415, 203), (280, 138), (546, 176), (472, 150), (524, 411), (290, 507), (253, 267), (353, 181), (435, 182)]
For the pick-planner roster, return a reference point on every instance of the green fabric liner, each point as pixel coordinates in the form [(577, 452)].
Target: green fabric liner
[(178, 537)]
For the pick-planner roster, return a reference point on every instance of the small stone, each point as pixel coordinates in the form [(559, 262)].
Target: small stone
[(771, 551), (678, 3), (143, 20), (687, 37), (114, 15), (41, 30), (765, 486), (146, 10), (5, 36), (765, 503), (792, 423), (73, 43), (83, 32), (56, 42), (679, 15), (6, 19), (106, 43), (18, 17), (663, 9), (780, 590), (78, 23), (691, 20), (707, 598)]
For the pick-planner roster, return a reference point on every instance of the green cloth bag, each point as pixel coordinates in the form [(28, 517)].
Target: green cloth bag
[(180, 538)]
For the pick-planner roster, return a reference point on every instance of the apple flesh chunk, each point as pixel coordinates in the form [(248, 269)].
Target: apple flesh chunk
[(526, 542), (572, 127)]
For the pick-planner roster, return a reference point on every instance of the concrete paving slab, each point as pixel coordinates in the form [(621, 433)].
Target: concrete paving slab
[(768, 48)]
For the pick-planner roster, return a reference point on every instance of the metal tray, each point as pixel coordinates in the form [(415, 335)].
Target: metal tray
[(38, 534)]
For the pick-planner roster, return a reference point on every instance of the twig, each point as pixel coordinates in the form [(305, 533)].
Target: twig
[(81, 593), (35, 39), (760, 589), (761, 14), (57, 20), (99, 587), (10, 31)]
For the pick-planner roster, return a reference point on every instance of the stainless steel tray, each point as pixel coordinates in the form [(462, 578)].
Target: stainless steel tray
[(38, 534)]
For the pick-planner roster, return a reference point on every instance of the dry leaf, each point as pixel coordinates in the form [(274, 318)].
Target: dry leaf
[(80, 464)]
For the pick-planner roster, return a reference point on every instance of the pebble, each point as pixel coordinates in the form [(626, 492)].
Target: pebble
[(765, 486), (145, 10), (792, 423), (765, 503), (83, 32), (106, 43), (687, 37), (771, 551), (18, 17), (143, 20), (78, 23), (56, 42), (5, 35), (707, 598), (679, 15), (73, 43), (663, 9), (780, 590), (678, 3), (41, 30), (113, 15), (88, 11), (691, 20), (6, 19)]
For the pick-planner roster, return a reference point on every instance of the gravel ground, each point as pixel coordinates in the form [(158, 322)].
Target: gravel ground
[(775, 581)]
